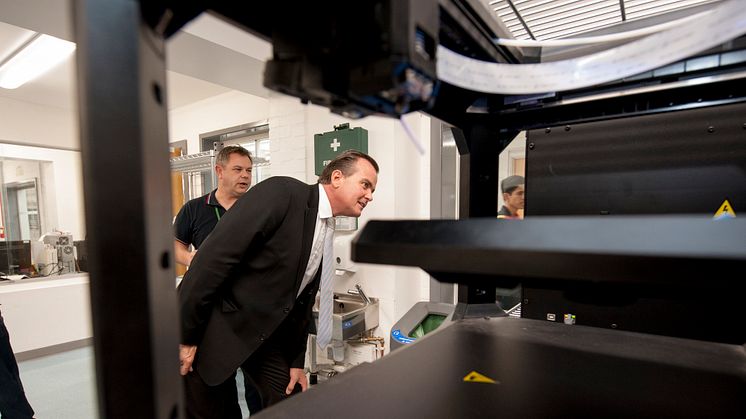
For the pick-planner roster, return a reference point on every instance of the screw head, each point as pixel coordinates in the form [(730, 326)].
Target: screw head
[(548, 130), (531, 146), (710, 129), (567, 128)]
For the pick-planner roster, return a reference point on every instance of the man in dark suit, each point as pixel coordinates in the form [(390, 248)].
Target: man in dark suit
[(247, 297)]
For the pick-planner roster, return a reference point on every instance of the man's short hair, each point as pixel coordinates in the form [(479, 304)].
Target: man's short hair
[(345, 162), (225, 154), (510, 183)]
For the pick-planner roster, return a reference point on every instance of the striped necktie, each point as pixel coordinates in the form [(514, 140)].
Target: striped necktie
[(324, 334)]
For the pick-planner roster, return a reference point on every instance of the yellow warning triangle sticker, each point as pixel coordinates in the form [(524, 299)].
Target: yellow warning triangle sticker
[(475, 377), (725, 211)]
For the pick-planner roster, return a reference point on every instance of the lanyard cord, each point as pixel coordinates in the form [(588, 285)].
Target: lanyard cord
[(217, 213)]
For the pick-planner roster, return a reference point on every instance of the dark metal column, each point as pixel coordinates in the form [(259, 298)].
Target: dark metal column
[(479, 153), (124, 144)]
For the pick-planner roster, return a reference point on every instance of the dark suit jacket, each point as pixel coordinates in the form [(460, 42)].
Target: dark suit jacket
[(243, 282)]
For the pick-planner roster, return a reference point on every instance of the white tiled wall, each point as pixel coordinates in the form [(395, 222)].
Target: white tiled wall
[(287, 133)]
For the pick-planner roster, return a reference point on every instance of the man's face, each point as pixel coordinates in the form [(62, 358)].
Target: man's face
[(352, 193), (515, 199), (235, 177)]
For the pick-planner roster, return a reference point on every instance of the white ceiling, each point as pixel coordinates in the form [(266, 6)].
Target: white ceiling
[(57, 87), (54, 88), (215, 30), (552, 19)]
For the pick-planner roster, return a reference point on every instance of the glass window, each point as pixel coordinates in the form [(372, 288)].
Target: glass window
[(259, 150), (38, 237), (21, 215)]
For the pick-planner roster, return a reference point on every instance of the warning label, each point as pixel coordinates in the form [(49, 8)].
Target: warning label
[(475, 377), (725, 211)]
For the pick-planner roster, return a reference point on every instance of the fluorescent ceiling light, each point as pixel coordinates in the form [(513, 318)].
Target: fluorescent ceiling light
[(38, 56)]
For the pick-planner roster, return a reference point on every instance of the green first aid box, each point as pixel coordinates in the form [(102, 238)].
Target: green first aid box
[(328, 145)]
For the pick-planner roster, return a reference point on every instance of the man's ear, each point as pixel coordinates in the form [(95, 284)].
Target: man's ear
[(336, 177), (218, 170)]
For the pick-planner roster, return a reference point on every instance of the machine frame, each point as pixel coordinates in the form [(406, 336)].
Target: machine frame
[(121, 74)]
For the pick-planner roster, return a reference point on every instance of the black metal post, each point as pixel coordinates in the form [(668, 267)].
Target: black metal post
[(124, 144)]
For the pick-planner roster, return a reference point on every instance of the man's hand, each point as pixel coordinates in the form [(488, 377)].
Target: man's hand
[(186, 356), (191, 256), (182, 254), (297, 376)]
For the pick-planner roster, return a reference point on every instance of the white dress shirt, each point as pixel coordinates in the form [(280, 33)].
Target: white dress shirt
[(322, 217)]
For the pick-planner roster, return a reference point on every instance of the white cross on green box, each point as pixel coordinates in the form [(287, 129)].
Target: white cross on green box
[(328, 145)]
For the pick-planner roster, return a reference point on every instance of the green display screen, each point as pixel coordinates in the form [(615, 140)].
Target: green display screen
[(427, 325)]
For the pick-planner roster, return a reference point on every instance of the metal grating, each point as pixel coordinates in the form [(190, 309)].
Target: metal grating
[(552, 19)]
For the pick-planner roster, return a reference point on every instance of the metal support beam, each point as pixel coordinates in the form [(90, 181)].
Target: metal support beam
[(124, 145), (443, 191)]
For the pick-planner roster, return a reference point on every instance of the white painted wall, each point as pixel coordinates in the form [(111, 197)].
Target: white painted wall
[(290, 152), (222, 111), (20, 170), (33, 124)]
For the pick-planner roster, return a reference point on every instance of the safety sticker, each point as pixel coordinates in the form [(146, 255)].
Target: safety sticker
[(475, 377), (725, 211)]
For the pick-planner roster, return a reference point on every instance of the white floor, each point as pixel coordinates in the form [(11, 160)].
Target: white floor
[(63, 386)]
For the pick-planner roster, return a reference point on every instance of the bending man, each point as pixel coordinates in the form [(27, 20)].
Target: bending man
[(247, 297)]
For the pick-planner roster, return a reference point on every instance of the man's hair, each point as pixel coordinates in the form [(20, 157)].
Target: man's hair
[(510, 183), (225, 154), (345, 162)]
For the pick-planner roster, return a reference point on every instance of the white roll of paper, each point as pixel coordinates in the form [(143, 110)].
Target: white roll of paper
[(721, 24)]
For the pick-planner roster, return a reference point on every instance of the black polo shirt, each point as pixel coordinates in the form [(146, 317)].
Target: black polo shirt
[(197, 218)]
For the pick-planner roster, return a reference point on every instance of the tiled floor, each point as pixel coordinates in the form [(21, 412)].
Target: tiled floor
[(62, 386)]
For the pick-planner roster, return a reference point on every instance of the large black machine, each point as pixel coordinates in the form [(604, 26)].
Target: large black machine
[(631, 290)]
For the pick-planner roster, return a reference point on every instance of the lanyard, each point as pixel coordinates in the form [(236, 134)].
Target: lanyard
[(217, 213)]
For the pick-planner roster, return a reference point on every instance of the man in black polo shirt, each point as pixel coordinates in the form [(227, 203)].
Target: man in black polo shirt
[(198, 217)]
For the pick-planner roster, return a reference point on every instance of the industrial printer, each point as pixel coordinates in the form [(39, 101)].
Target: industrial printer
[(624, 174)]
